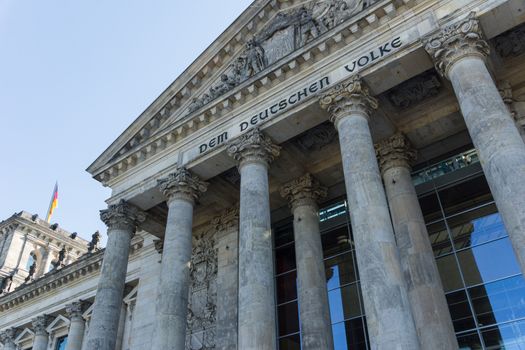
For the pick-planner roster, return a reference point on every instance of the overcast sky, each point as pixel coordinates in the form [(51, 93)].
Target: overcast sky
[(73, 76)]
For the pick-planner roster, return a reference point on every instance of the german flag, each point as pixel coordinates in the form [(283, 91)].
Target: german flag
[(53, 204)]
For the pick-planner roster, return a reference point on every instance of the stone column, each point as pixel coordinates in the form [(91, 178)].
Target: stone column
[(425, 292), (122, 220), (76, 326), (459, 52), (257, 329), (316, 329), (40, 324), (388, 314), (505, 90), (181, 189), (227, 278), (7, 337)]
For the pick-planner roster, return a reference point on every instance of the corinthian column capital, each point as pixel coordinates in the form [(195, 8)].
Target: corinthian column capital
[(456, 41), (122, 216), (305, 190), (349, 97), (7, 336), (253, 146), (40, 324), (75, 310), (395, 151), (182, 184)]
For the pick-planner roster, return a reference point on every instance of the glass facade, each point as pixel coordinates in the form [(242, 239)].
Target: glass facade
[(61, 343), (483, 285)]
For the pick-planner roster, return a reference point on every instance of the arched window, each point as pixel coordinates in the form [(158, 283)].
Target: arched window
[(32, 259)]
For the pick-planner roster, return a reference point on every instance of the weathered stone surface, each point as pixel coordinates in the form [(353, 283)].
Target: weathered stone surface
[(39, 325), (425, 292), (77, 325), (314, 311), (7, 337), (500, 147), (388, 315)]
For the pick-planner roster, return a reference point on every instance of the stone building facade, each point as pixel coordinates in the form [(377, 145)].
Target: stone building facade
[(328, 174)]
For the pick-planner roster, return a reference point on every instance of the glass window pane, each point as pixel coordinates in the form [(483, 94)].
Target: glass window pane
[(292, 342), (449, 272), (430, 207), (439, 239), (462, 196), (469, 341), (336, 241), (344, 303), (283, 234), (340, 270), (61, 343), (349, 335), (488, 262), (477, 226), (288, 318), (460, 311), (286, 287), (499, 301), (508, 336), (285, 259)]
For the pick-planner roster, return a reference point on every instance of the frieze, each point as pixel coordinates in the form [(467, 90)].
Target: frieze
[(317, 138), (415, 90)]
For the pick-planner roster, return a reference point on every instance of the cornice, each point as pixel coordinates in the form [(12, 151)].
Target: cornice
[(171, 136)]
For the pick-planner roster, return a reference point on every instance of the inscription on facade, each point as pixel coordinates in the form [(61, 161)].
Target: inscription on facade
[(353, 66)]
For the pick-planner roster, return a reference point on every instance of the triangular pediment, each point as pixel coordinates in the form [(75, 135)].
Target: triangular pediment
[(264, 34), (25, 336), (59, 322)]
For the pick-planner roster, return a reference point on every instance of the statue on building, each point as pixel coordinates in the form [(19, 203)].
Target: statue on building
[(254, 59), (93, 246), (61, 258), (306, 29), (32, 270)]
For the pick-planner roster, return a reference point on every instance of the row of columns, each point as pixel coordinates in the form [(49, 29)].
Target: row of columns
[(41, 336), (402, 293)]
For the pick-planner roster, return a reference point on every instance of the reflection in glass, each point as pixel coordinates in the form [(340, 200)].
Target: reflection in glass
[(488, 262), (292, 342), (499, 301), (449, 272), (430, 207), (349, 335), (439, 239), (340, 270), (336, 241), (465, 195), (469, 341), (286, 287), (460, 311), (344, 303), (288, 318), (61, 343), (507, 336)]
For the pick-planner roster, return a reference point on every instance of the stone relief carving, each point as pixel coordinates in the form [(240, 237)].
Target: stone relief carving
[(286, 32), (415, 90), (511, 43), (316, 138), (203, 293)]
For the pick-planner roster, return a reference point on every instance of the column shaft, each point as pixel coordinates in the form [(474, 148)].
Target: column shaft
[(499, 144), (389, 318), (103, 327), (40, 342), (76, 333), (257, 328), (311, 280), (172, 303), (425, 292)]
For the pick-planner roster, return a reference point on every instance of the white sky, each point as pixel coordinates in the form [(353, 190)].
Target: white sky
[(73, 76)]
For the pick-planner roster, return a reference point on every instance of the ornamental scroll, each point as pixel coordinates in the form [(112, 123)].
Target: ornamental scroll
[(285, 33)]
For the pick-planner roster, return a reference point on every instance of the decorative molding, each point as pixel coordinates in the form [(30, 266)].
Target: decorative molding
[(456, 41), (317, 138), (349, 97), (8, 335), (122, 216), (511, 43), (229, 219), (395, 151), (40, 324), (253, 147), (303, 191), (75, 310), (415, 90), (182, 184)]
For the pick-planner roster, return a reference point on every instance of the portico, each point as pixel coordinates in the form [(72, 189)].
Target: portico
[(299, 130)]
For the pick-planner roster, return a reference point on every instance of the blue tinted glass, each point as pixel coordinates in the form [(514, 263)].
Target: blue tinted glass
[(488, 262), (510, 336), (344, 303), (349, 335), (61, 343), (340, 270), (499, 301)]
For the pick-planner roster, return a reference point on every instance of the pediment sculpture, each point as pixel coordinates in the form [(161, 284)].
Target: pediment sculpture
[(285, 33)]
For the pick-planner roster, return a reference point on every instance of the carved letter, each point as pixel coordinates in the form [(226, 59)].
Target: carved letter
[(397, 42), (203, 148), (351, 70), (244, 126)]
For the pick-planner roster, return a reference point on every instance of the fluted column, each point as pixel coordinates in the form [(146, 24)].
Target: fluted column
[(76, 326), (388, 314), (459, 52), (40, 324), (122, 220), (7, 337), (181, 189), (257, 330), (425, 291), (316, 330)]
